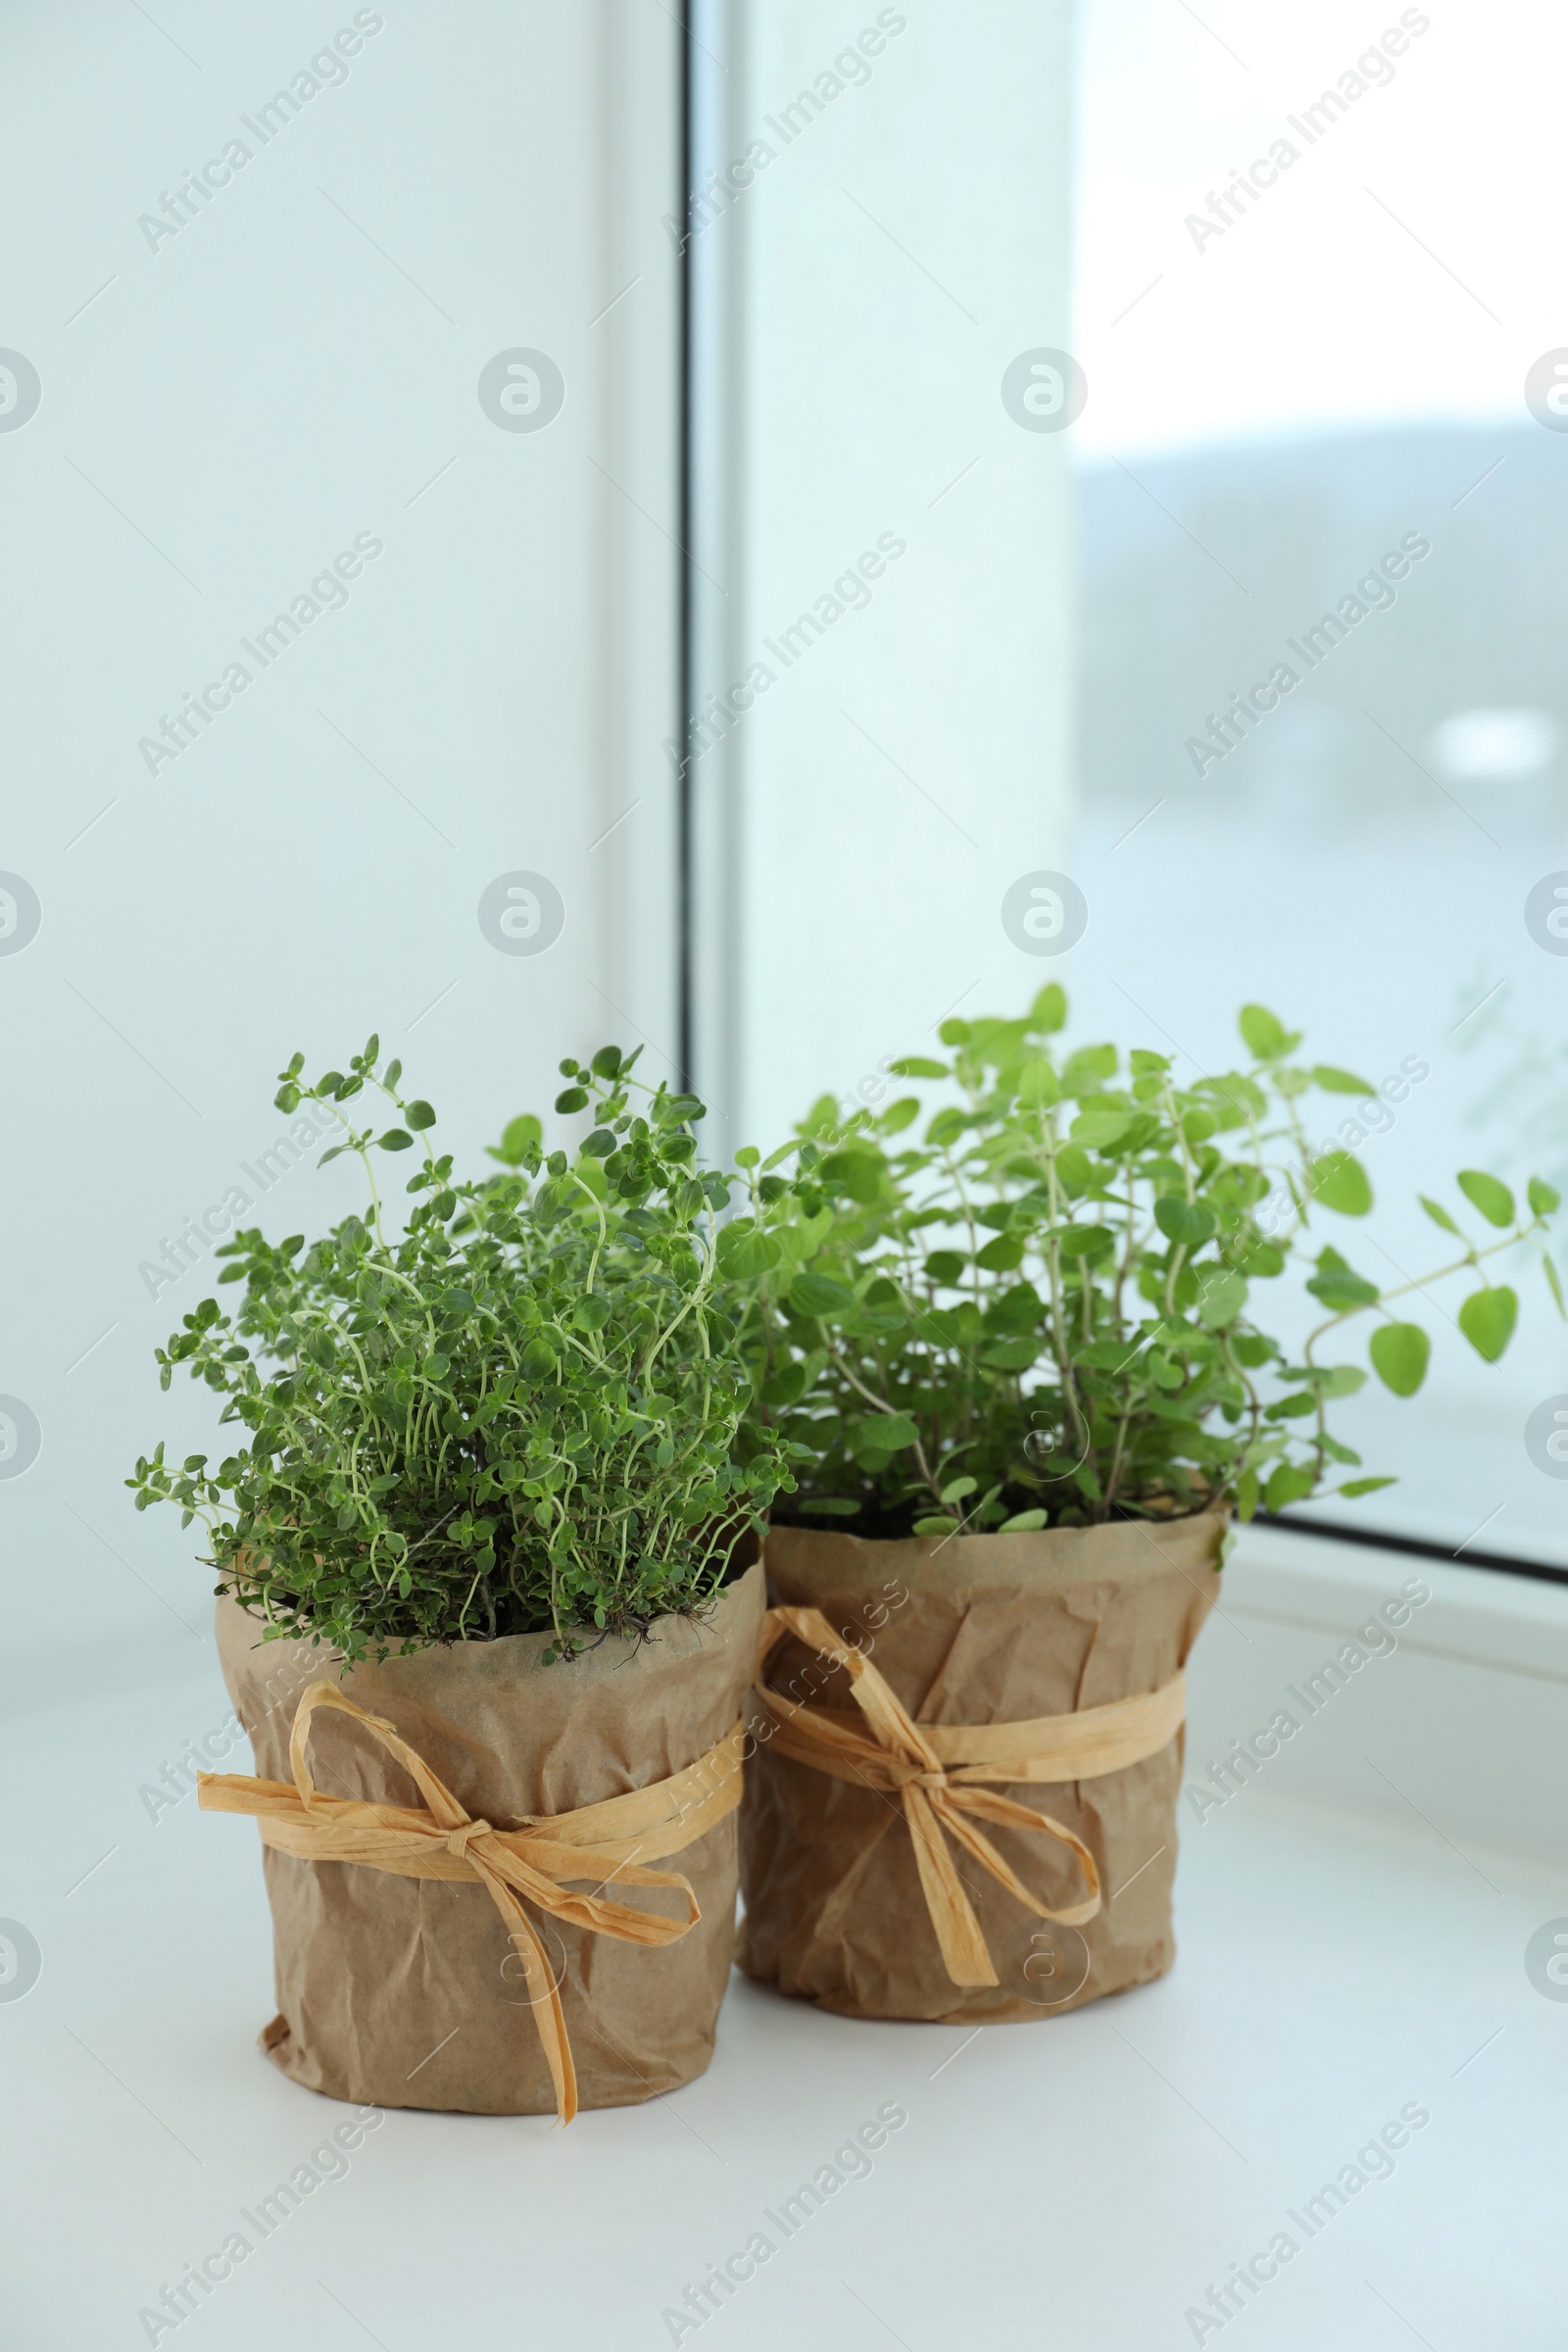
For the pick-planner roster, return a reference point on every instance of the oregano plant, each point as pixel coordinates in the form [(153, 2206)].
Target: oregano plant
[(1043, 1311), (517, 1412)]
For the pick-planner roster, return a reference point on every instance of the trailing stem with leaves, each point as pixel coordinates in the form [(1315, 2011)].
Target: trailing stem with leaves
[(1041, 1312), (516, 1414)]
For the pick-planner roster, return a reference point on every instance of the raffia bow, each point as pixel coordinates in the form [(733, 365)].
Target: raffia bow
[(441, 1841), (931, 1771)]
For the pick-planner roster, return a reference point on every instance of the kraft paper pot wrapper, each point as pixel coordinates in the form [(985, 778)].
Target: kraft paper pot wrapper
[(408, 1992), (975, 1630)]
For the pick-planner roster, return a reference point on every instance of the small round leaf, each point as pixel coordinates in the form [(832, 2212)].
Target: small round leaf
[(1190, 1222), (1487, 1194), (1341, 1183), (1487, 1318), (1400, 1353)]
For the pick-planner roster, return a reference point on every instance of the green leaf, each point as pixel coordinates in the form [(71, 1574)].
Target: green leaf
[(1264, 1036), (1543, 1198), (947, 1126), (1022, 1523), (856, 1172), (1108, 1355), (418, 1116), (1101, 1130), (395, 1140), (744, 1249), (1438, 1215), (821, 1294), (1075, 1241), (1290, 1408), (1049, 1011), (1288, 1483), (1008, 1356), (1487, 1194), (1487, 1318), (1037, 1082), (1003, 1255), (573, 1097), (1073, 1169), (1341, 1183), (938, 1326), (607, 1062), (1188, 1221), (1364, 1486), (886, 1434), (1548, 1268), (1013, 1312), (1339, 1082), (918, 1065), (946, 1266), (829, 1506), (1090, 1065), (1221, 1298), (1400, 1353), (1340, 1290), (786, 1385), (517, 1136), (936, 1527)]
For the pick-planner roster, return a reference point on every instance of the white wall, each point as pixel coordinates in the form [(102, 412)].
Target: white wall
[(223, 410), (864, 819)]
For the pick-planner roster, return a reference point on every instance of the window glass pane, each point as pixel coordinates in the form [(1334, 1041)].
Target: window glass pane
[(1323, 468)]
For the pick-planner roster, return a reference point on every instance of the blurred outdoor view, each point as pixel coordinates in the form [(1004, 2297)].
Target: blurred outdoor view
[(1295, 372)]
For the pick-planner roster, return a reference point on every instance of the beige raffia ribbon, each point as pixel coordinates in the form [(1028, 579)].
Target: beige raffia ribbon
[(442, 1842), (931, 1771)]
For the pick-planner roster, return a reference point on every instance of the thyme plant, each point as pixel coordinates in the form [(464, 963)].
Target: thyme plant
[(1041, 1312), (518, 1413)]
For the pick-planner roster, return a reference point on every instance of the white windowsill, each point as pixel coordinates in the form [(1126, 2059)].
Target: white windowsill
[(1349, 1944), (1463, 1722)]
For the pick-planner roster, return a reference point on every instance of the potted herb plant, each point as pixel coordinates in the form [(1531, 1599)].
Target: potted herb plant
[(1019, 1373), (484, 1493)]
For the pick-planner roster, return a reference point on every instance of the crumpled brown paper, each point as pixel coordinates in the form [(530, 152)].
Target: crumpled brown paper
[(407, 1992), (973, 1629)]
